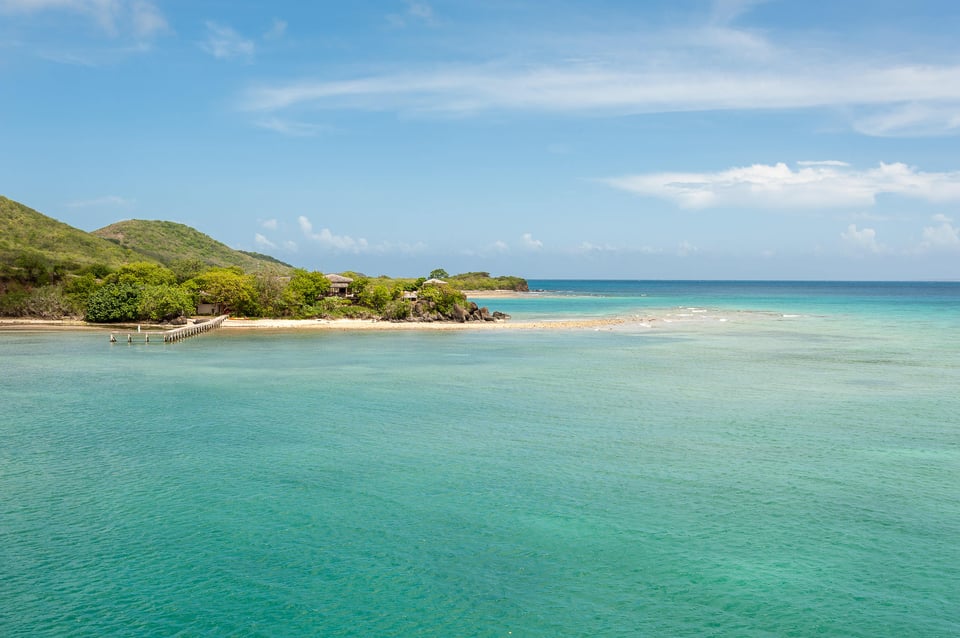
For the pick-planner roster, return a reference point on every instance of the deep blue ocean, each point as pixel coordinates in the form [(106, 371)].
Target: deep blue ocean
[(760, 459)]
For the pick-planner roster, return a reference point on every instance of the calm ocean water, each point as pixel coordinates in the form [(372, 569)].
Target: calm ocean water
[(770, 459)]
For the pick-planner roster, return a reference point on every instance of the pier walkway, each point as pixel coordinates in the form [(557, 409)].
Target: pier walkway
[(173, 335)]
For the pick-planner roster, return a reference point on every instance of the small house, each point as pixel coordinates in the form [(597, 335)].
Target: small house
[(339, 285)]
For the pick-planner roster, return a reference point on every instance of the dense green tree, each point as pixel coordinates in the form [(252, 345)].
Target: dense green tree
[(114, 302), (303, 290), (161, 303), (184, 269), (142, 273), (233, 290), (376, 296), (443, 298), (438, 273), (270, 287)]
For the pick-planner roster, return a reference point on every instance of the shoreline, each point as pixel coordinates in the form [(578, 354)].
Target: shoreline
[(661, 319), (337, 325)]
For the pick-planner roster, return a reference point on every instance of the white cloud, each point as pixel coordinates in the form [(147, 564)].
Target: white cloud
[(812, 185), (912, 120), (416, 11), (270, 224), (224, 43), (137, 18), (618, 88), (499, 246), (726, 11), (290, 246), (292, 128), (263, 241), (685, 249), (530, 243), (861, 239), (277, 30), (147, 19), (338, 243), (946, 236)]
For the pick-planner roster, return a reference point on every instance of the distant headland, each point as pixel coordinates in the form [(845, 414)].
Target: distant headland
[(165, 272)]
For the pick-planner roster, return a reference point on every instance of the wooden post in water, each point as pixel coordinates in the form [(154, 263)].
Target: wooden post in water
[(178, 334)]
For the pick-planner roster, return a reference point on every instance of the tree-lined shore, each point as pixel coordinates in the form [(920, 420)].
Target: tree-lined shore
[(162, 272)]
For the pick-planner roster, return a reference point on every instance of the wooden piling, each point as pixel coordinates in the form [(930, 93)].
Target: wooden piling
[(178, 334)]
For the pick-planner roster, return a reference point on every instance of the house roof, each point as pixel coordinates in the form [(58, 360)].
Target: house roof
[(338, 279), (435, 282)]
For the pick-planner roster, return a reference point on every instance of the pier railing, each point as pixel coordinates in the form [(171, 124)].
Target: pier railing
[(173, 335)]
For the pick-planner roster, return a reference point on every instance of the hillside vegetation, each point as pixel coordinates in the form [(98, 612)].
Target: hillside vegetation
[(170, 242), (29, 239), (163, 271)]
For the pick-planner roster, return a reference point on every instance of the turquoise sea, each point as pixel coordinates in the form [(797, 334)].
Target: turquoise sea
[(768, 459)]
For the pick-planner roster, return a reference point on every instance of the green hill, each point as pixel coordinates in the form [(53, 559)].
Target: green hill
[(167, 242), (26, 235)]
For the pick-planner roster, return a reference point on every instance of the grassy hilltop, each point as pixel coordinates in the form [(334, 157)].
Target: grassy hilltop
[(168, 242), (29, 236)]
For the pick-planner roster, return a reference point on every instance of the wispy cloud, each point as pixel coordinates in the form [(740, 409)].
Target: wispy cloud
[(911, 120), (224, 43), (726, 11), (812, 185), (263, 242), (415, 12), (270, 224), (138, 19), (293, 128), (107, 201), (277, 30), (615, 89)]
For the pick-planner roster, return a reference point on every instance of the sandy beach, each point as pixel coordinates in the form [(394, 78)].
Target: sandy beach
[(325, 324), (365, 324)]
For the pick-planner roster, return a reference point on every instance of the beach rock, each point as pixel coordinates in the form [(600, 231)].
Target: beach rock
[(500, 316), (459, 314)]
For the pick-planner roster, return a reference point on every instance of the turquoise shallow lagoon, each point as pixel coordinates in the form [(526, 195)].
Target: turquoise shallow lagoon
[(785, 461)]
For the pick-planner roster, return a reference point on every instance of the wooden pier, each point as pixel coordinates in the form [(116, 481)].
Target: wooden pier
[(173, 335)]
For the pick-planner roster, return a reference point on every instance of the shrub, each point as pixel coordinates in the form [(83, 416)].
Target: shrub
[(113, 302)]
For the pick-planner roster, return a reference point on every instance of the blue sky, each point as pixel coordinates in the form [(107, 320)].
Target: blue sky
[(742, 139)]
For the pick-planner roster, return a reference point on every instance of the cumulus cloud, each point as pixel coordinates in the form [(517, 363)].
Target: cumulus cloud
[(225, 43), (263, 241), (861, 239), (811, 185), (530, 243), (337, 243), (945, 236), (270, 224)]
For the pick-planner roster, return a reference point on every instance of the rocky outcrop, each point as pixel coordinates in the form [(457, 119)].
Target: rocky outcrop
[(426, 311)]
